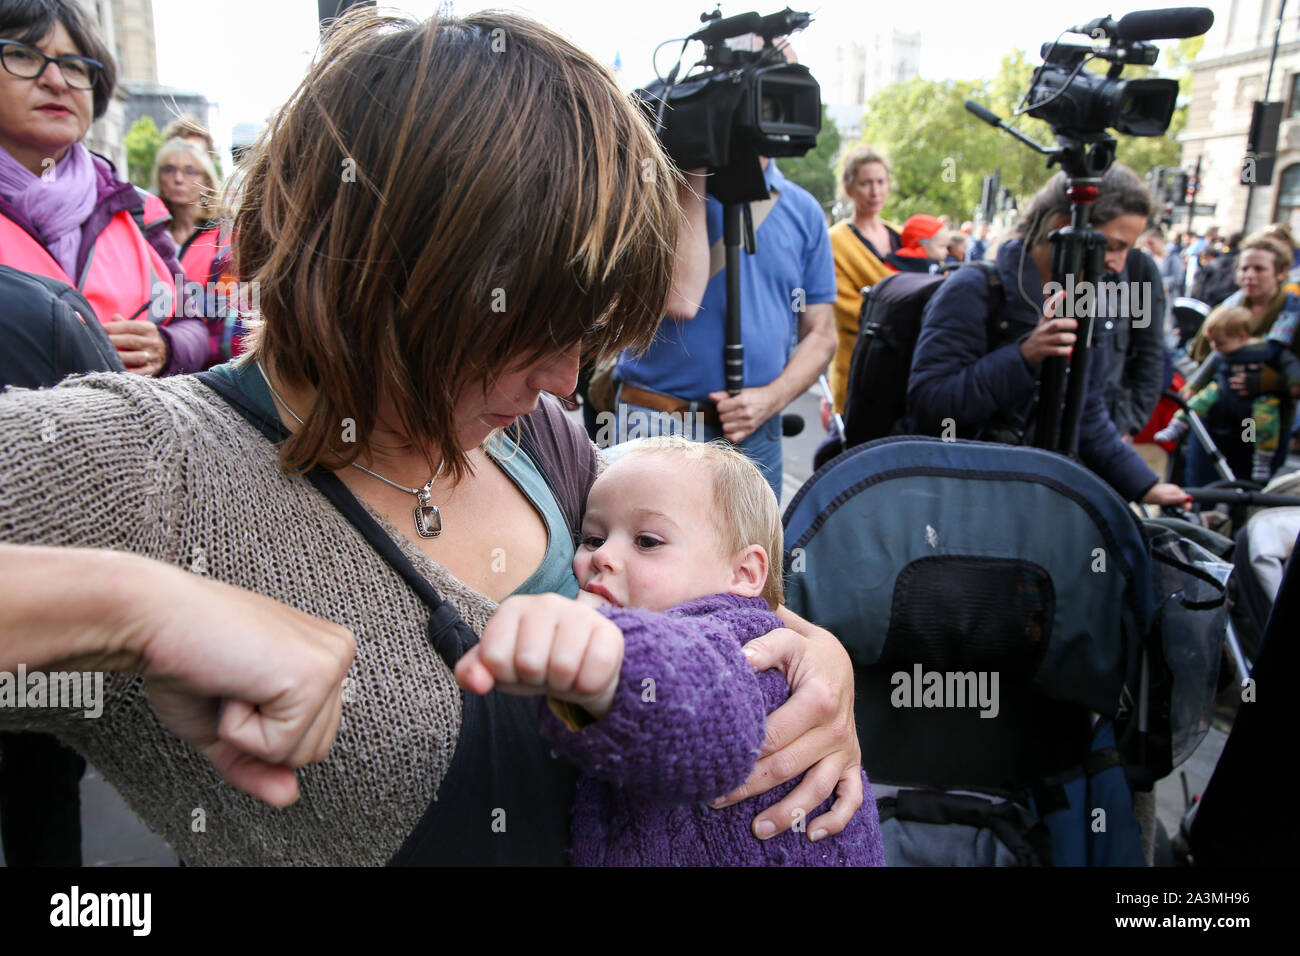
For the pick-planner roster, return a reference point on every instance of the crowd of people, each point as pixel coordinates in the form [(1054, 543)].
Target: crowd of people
[(1141, 338), (357, 501)]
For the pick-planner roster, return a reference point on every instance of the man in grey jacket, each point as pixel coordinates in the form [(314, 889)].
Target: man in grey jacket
[(1173, 271), (1134, 348)]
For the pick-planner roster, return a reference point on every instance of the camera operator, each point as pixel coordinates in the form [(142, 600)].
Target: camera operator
[(787, 287), (982, 371)]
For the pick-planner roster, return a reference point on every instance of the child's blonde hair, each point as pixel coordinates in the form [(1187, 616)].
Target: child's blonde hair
[(1233, 320), (747, 510)]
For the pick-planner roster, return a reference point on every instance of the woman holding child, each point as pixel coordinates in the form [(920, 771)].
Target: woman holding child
[(1262, 264), (360, 465)]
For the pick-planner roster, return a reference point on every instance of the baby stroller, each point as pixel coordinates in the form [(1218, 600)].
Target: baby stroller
[(1245, 516), (1027, 652), (1189, 315)]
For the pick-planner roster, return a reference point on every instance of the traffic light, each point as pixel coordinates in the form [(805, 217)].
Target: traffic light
[(1261, 143), (1179, 190), (1155, 181)]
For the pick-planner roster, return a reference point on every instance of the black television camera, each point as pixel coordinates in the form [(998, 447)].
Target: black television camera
[(742, 105), (1081, 107), (1075, 101)]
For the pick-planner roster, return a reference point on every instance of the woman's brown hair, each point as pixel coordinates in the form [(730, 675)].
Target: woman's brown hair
[(1281, 231), (1277, 248), (1121, 194), (856, 158), (437, 203)]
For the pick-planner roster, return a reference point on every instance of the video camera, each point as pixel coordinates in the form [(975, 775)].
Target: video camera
[(1074, 101), (1081, 107), (742, 105)]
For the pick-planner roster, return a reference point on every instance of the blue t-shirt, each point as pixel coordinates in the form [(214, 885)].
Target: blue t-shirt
[(555, 573), (791, 266)]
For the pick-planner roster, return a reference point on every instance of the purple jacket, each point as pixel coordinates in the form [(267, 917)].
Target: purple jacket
[(187, 338), (686, 726)]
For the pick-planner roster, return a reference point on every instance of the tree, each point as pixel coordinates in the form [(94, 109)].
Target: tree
[(1024, 171), (813, 171), (142, 143), (937, 157)]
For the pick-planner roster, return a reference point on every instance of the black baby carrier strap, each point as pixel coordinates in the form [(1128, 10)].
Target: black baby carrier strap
[(504, 800)]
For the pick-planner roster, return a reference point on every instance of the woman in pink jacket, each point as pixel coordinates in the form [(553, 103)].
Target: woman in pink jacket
[(64, 213)]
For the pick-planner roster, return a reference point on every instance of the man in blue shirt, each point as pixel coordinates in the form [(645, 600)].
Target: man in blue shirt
[(979, 243), (787, 327)]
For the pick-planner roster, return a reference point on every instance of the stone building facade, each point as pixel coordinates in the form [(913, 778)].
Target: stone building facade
[(1228, 76), (105, 135)]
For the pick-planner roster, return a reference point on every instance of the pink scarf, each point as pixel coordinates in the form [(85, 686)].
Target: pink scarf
[(56, 206)]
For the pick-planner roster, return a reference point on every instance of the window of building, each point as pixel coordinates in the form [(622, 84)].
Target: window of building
[(1249, 89), (1293, 96), (1288, 197)]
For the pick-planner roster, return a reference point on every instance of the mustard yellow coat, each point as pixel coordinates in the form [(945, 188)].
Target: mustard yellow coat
[(855, 269)]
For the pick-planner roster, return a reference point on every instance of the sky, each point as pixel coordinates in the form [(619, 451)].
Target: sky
[(247, 56)]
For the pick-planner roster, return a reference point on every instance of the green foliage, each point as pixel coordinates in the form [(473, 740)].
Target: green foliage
[(813, 170), (142, 143), (936, 158), (939, 153)]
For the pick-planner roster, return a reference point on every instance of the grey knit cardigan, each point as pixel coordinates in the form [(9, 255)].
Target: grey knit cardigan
[(168, 470)]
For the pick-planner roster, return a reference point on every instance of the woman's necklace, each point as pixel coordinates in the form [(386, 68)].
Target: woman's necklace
[(428, 520)]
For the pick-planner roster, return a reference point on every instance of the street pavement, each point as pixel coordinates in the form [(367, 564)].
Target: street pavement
[(113, 836)]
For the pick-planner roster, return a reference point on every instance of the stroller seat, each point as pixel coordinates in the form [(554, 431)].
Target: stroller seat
[(959, 569)]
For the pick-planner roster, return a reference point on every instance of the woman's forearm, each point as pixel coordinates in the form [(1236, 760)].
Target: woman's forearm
[(276, 672), (61, 608)]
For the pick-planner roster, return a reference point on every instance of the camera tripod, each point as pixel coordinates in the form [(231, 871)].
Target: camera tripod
[(737, 226), (1078, 256), (1078, 252)]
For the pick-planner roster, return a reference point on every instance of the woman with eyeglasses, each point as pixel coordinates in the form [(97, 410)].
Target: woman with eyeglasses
[(186, 179), (64, 213)]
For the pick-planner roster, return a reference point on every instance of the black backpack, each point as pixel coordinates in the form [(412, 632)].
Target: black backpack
[(48, 331), (888, 326)]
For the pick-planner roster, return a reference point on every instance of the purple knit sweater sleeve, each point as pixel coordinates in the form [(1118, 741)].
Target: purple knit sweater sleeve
[(688, 715)]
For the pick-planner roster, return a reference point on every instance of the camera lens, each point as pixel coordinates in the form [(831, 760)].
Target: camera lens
[(773, 110)]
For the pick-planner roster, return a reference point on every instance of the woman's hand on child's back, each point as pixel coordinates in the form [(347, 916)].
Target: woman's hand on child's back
[(547, 644), (812, 733)]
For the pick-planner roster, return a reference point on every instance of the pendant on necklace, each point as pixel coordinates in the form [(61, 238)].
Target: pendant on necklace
[(428, 520)]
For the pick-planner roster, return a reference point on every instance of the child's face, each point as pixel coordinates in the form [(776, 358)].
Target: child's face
[(1225, 343), (649, 538)]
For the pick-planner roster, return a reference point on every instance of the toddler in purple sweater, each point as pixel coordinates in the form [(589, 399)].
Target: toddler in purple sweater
[(657, 704)]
